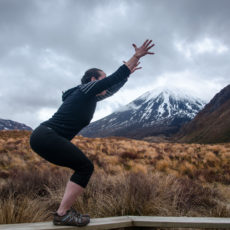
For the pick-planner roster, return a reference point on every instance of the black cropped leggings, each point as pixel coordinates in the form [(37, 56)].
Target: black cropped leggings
[(60, 151)]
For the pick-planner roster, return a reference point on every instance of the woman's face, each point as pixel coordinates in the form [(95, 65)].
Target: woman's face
[(102, 75)]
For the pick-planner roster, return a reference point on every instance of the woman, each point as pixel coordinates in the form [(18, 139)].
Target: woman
[(52, 138)]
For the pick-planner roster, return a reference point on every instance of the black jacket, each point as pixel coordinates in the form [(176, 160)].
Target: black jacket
[(79, 103)]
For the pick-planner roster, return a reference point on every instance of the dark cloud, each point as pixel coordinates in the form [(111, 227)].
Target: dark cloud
[(45, 47)]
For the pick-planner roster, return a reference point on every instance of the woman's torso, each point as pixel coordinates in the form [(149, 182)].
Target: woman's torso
[(74, 114)]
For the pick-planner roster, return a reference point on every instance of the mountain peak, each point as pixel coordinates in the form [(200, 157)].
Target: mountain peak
[(165, 96), (160, 111), (176, 93)]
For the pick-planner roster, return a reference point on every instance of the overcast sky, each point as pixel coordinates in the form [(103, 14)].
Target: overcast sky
[(47, 45)]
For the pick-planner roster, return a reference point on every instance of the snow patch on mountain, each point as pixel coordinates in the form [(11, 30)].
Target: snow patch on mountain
[(157, 111)]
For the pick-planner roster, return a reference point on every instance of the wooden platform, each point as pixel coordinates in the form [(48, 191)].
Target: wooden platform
[(131, 222)]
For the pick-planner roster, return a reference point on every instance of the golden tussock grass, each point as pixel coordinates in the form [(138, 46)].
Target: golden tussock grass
[(127, 193), (131, 178)]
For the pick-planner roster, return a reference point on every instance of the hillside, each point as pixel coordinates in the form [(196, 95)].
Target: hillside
[(212, 124), (12, 125)]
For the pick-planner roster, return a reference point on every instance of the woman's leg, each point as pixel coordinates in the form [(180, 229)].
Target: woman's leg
[(60, 151), (72, 191)]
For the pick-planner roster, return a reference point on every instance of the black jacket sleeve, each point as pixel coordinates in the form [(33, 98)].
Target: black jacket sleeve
[(112, 90), (94, 87)]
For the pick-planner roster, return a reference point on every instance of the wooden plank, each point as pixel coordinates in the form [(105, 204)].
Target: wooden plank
[(180, 222), (131, 222), (95, 224)]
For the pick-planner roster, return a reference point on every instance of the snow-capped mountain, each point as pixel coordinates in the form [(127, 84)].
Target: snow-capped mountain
[(12, 125), (151, 114)]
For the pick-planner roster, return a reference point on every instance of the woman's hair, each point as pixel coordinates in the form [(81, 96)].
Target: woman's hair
[(94, 72)]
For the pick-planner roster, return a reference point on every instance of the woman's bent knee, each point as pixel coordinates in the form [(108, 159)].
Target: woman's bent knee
[(86, 168), (82, 177)]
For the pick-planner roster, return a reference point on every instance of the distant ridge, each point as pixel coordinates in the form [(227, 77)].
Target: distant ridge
[(212, 124), (12, 125)]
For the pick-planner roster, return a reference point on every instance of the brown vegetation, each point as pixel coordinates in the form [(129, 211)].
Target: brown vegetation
[(131, 178)]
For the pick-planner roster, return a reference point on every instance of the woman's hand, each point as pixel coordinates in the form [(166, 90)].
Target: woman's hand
[(133, 62), (134, 68), (143, 50)]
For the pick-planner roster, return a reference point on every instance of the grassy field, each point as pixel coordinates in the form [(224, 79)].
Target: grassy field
[(131, 178)]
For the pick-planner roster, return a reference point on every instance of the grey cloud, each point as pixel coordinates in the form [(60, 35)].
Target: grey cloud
[(45, 46)]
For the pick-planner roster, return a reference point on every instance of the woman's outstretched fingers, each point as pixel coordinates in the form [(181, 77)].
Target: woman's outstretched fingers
[(144, 49), (148, 43), (134, 46), (135, 67), (150, 46), (145, 43)]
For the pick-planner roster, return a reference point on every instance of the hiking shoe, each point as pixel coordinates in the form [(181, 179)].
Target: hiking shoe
[(74, 211), (72, 217), (79, 213)]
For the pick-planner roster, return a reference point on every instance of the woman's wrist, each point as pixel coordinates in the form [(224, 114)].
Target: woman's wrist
[(136, 56), (132, 62)]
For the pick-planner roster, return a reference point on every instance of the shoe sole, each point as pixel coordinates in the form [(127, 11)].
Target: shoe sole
[(66, 224)]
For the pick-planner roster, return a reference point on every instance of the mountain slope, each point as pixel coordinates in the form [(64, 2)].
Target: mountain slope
[(12, 125), (151, 114), (212, 124)]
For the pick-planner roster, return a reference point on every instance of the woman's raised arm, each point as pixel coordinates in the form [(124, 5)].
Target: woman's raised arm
[(97, 86)]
